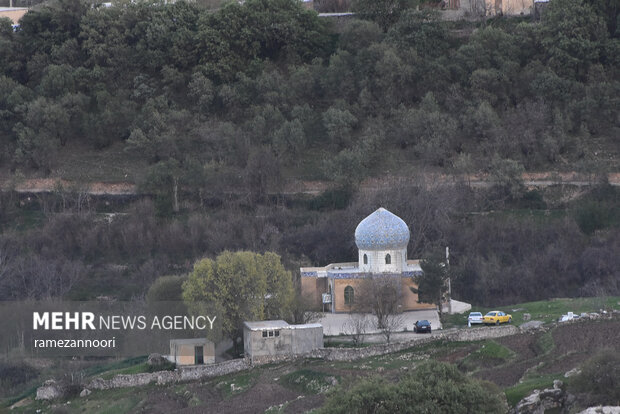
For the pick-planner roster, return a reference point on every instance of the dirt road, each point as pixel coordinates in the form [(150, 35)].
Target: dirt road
[(542, 179)]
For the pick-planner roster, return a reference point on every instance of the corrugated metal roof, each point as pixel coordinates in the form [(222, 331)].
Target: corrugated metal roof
[(279, 324), (189, 341), (262, 325)]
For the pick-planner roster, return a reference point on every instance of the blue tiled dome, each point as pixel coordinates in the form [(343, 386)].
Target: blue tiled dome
[(382, 230)]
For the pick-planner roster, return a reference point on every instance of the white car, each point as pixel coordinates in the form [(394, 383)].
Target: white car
[(475, 317)]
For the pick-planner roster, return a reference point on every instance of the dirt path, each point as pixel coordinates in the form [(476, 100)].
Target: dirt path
[(542, 179), (48, 185)]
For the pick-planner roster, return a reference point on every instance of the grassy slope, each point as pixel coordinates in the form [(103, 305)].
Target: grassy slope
[(544, 310), (312, 377)]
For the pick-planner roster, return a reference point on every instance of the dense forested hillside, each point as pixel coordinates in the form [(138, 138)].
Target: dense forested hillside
[(261, 87), (220, 108)]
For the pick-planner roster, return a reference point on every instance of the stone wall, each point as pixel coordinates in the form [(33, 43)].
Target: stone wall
[(166, 377), (194, 373), (352, 354)]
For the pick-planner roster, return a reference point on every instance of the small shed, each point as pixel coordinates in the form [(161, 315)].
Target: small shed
[(193, 351), (274, 338)]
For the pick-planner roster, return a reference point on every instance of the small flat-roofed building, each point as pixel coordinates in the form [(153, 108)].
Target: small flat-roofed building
[(274, 338), (13, 13), (193, 351)]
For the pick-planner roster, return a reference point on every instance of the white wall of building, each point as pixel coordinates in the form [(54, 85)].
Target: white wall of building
[(376, 261)]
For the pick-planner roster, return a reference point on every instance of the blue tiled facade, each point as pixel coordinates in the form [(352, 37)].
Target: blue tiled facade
[(356, 275), (382, 230)]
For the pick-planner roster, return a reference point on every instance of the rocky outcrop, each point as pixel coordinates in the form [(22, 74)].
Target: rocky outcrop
[(540, 401), (56, 390), (50, 390), (572, 372), (156, 360), (531, 325), (601, 410)]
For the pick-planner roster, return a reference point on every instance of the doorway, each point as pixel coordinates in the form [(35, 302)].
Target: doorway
[(199, 358)]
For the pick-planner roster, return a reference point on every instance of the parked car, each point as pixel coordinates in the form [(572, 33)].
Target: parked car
[(422, 326), (497, 317), (475, 317)]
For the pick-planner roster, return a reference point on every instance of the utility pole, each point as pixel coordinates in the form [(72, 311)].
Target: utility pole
[(449, 283)]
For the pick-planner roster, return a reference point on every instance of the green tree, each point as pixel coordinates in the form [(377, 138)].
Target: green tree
[(166, 288), (262, 174), (422, 30), (289, 139), (201, 91), (40, 135), (9, 52), (573, 36), (239, 34), (429, 130), (600, 377), (434, 387), (610, 11), (240, 286), (163, 180), (383, 12), (12, 97), (339, 124), (433, 283), (51, 25), (358, 35), (507, 176)]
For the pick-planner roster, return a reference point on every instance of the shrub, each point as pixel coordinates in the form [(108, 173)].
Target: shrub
[(166, 288), (166, 366), (591, 216), (434, 387), (15, 373), (600, 378)]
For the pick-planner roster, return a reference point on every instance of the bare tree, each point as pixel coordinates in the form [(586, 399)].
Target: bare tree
[(4, 266), (302, 310), (427, 207), (39, 278), (356, 327), (381, 295), (390, 324)]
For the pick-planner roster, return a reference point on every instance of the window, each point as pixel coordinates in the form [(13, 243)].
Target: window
[(277, 333), (270, 334), (365, 259), (264, 334), (388, 259), (349, 295)]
